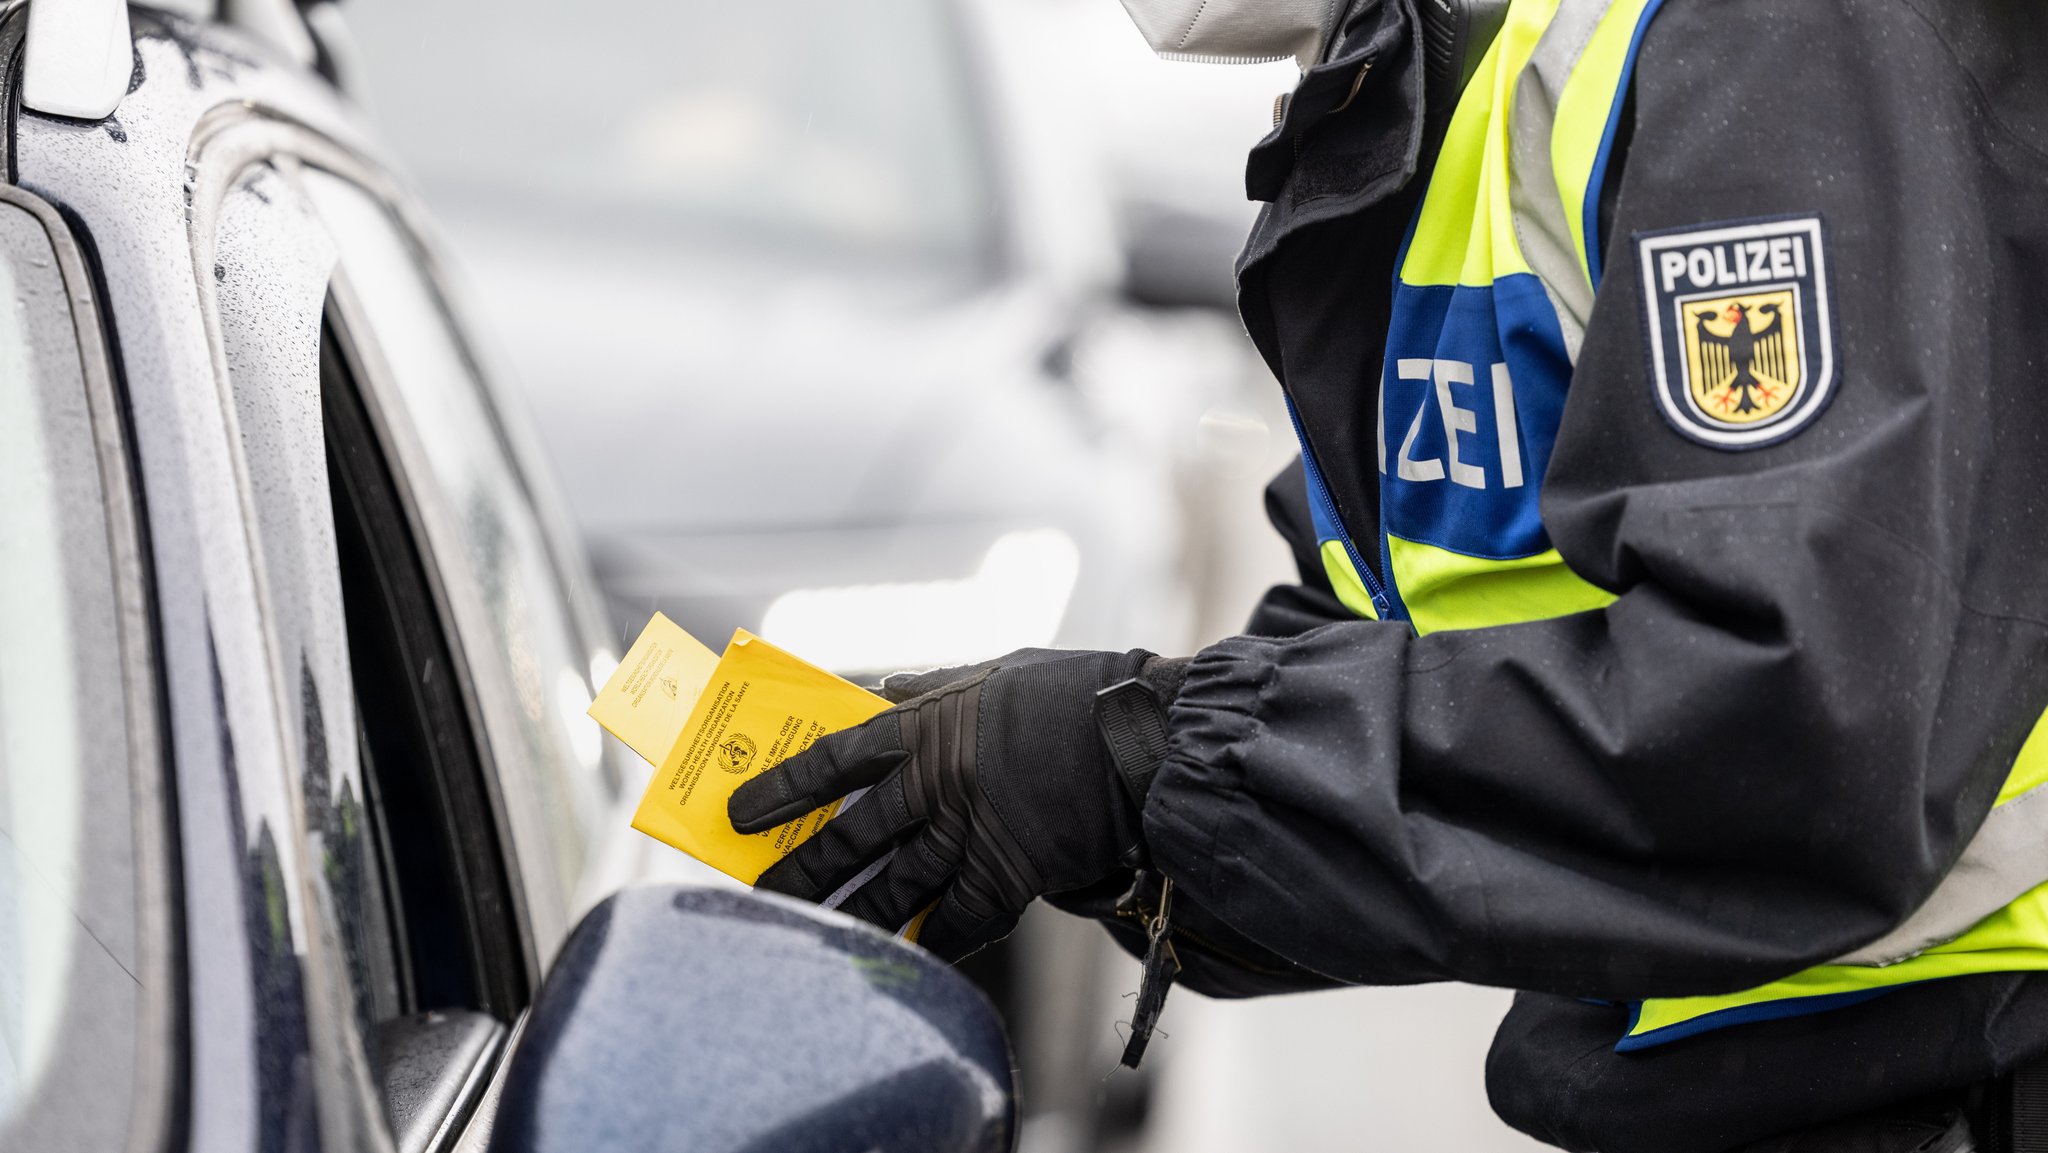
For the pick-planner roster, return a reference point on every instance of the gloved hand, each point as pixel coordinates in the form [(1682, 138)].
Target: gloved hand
[(990, 782)]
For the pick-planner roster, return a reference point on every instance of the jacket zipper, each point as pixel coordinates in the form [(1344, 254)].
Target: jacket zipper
[(1382, 606)]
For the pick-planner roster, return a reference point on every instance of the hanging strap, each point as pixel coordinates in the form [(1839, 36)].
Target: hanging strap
[(2015, 1110)]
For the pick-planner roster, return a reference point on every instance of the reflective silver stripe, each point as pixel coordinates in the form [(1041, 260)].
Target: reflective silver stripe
[(1542, 224), (2007, 857)]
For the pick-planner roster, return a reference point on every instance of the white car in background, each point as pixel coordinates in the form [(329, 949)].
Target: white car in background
[(795, 291)]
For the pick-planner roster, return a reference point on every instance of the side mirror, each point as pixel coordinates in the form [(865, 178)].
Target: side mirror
[(707, 1019)]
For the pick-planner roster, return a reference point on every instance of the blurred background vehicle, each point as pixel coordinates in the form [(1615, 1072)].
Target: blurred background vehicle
[(903, 332), (797, 299)]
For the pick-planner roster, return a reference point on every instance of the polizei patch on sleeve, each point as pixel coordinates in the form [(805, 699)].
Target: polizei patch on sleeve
[(1741, 328)]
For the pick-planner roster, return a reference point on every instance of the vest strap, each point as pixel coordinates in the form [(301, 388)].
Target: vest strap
[(1543, 226), (2015, 1110)]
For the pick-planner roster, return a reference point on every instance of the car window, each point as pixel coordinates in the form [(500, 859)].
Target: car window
[(537, 728), (445, 886), (72, 955), (446, 898)]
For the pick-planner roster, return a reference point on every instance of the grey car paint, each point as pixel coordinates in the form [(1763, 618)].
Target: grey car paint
[(118, 692), (123, 181), (208, 211), (272, 1030)]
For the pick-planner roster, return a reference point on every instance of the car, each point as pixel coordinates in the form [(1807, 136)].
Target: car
[(305, 839)]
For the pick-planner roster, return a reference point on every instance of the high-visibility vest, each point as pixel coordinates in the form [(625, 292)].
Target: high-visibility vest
[(1494, 287)]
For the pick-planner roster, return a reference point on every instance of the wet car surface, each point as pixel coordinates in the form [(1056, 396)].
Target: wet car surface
[(300, 801)]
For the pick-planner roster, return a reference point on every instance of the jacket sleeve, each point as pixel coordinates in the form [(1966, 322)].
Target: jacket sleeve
[(1823, 655), (1215, 960)]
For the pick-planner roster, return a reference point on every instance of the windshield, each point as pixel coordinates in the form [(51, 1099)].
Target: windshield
[(829, 129)]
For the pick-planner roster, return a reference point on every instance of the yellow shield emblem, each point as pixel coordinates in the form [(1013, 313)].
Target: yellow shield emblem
[(1739, 318), (1743, 363)]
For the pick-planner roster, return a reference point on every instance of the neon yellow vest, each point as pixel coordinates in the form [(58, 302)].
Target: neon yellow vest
[(1494, 288)]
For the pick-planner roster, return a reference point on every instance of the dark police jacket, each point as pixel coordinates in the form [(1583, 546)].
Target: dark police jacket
[(1823, 655)]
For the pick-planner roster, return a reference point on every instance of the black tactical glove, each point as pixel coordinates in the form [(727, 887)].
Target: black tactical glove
[(990, 782)]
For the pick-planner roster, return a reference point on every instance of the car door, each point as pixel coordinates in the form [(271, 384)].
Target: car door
[(332, 939), (411, 574), (191, 255), (507, 576)]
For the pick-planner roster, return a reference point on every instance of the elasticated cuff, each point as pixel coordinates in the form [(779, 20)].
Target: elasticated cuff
[(1196, 795)]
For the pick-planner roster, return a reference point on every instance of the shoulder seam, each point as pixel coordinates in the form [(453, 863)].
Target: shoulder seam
[(1976, 86), (1964, 602)]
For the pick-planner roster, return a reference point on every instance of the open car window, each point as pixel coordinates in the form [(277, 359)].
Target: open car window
[(532, 668), (84, 930), (455, 977)]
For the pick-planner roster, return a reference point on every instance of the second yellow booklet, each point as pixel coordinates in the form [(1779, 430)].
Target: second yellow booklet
[(648, 699), (760, 706)]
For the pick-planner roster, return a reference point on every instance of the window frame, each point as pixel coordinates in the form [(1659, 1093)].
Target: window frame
[(160, 1072), (228, 140), (500, 982)]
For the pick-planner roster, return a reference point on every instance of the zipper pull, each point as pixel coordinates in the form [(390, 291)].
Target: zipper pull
[(1162, 965)]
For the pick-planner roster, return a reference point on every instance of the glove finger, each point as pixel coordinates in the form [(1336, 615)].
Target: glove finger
[(912, 879), (837, 853), (954, 931), (835, 765)]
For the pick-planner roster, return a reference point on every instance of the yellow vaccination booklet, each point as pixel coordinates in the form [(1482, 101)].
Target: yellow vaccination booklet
[(649, 697), (758, 706)]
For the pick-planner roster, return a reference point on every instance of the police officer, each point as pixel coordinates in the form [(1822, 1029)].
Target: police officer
[(1672, 635)]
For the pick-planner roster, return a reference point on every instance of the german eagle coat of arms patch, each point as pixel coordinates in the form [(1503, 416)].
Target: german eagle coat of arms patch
[(1740, 324)]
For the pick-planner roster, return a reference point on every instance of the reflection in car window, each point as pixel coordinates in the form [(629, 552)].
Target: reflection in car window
[(830, 128), (69, 994), (532, 637)]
